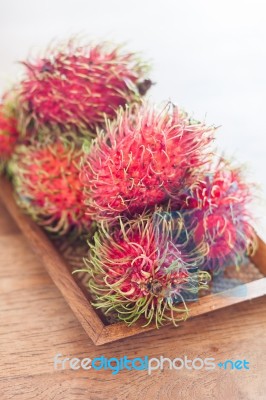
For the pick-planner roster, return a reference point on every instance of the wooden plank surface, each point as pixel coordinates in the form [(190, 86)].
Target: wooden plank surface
[(55, 264), (36, 323)]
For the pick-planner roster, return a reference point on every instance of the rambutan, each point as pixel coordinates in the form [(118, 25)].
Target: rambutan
[(144, 158), (219, 202), (8, 132), (47, 186), (74, 86), (146, 268)]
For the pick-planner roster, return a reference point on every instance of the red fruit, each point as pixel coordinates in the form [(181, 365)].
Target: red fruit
[(220, 234), (219, 186), (144, 158), (146, 268), (75, 86), (219, 202), (46, 182), (8, 134)]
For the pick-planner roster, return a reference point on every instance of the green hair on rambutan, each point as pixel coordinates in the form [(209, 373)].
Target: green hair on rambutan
[(146, 268)]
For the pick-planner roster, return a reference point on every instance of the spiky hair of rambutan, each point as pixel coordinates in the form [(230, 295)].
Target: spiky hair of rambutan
[(219, 204), (146, 268), (8, 131), (75, 85), (142, 159), (47, 186)]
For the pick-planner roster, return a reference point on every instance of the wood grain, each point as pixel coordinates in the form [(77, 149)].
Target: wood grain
[(56, 266), (36, 323)]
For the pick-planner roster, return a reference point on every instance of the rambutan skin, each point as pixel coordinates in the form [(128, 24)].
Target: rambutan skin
[(219, 204), (74, 86), (47, 186), (146, 268), (144, 158), (8, 134)]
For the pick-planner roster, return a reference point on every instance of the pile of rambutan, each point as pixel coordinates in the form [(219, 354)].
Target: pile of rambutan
[(169, 215), (62, 100), (88, 156)]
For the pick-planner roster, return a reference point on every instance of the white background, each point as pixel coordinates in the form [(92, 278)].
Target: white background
[(209, 56)]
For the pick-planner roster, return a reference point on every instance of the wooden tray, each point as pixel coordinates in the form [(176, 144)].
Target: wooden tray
[(95, 324)]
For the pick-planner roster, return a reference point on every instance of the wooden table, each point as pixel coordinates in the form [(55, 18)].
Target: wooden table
[(36, 324)]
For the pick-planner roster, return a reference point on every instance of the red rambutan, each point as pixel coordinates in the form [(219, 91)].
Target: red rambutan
[(74, 86), (47, 186), (145, 157), (219, 203), (147, 268), (8, 133)]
